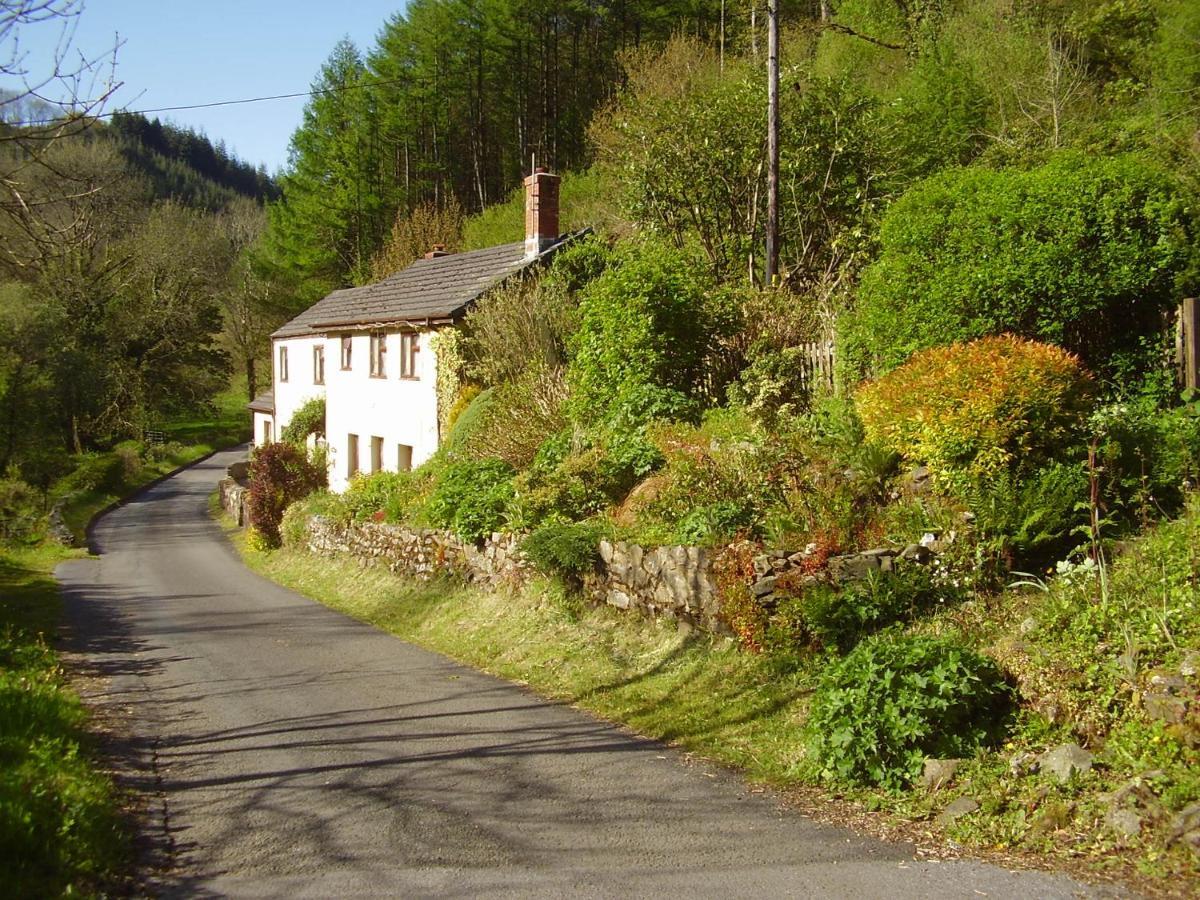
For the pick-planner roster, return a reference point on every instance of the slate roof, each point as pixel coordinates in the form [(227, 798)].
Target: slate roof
[(428, 291), (264, 402)]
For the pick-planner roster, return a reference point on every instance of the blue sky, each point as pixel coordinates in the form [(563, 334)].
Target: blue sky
[(180, 52)]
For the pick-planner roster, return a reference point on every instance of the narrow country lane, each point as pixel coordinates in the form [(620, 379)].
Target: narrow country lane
[(301, 753)]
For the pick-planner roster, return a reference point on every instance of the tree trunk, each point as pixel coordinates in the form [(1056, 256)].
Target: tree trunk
[(251, 379)]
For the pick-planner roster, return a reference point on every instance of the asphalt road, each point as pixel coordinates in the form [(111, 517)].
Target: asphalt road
[(289, 750)]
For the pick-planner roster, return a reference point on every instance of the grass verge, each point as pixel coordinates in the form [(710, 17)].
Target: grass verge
[(1070, 647), (60, 828), (695, 691)]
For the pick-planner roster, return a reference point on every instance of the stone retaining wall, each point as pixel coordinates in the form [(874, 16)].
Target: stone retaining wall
[(672, 581), (421, 552), (233, 499), (660, 581)]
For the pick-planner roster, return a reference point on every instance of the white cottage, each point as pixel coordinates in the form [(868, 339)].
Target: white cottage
[(368, 350)]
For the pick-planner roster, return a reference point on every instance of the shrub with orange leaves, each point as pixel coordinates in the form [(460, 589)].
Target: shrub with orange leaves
[(981, 407)]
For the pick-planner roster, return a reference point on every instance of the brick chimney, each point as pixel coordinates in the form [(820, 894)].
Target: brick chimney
[(438, 250), (541, 211)]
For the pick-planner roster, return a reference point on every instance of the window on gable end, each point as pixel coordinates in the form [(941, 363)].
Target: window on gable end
[(378, 354), (410, 346)]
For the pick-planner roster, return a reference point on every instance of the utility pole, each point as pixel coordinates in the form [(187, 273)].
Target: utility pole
[(772, 142)]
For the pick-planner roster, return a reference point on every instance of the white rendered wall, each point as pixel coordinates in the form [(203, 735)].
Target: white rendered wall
[(259, 419), (399, 410), (290, 395)]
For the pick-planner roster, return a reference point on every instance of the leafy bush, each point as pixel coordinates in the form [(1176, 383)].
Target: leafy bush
[(1082, 252), (471, 497), (308, 419), (568, 550), (841, 618), (21, 510), (1027, 521), (468, 420), (518, 418), (717, 479), (643, 338), (466, 396), (1148, 457), (772, 387), (293, 527), (380, 495), (896, 700), (979, 407), (280, 474), (568, 485), (93, 472)]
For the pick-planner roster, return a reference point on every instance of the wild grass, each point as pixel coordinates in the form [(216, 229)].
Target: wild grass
[(1066, 647), (60, 830), (693, 690)]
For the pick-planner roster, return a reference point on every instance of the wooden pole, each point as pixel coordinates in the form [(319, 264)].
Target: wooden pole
[(1188, 343), (772, 142)]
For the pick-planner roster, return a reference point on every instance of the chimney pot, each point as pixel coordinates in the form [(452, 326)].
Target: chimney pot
[(541, 212)]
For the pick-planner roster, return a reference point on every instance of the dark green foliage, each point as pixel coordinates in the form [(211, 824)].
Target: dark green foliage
[(471, 498), (896, 700), (1081, 252), (569, 550), (280, 474), (173, 157), (21, 511), (842, 617), (468, 422), (711, 523), (644, 336), (1028, 521), (1148, 457), (574, 483), (308, 419)]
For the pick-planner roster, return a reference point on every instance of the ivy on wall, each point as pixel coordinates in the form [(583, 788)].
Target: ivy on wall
[(447, 352)]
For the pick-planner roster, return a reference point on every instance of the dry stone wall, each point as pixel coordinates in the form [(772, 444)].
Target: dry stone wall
[(676, 582), (421, 552), (233, 499)]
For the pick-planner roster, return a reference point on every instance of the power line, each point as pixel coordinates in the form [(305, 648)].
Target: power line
[(160, 109)]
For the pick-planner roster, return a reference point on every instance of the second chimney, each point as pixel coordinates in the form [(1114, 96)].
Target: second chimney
[(541, 211)]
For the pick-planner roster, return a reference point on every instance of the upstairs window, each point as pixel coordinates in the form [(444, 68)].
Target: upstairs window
[(318, 365), (409, 348), (283, 368), (378, 355), (347, 346)]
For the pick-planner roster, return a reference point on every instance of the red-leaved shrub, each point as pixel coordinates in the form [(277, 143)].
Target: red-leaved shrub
[(280, 474)]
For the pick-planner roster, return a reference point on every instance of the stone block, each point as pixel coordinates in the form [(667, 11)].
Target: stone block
[(764, 586), (956, 809), (619, 599), (1064, 761), (939, 773)]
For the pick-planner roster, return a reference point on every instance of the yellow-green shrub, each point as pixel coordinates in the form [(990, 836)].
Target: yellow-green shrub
[(983, 407)]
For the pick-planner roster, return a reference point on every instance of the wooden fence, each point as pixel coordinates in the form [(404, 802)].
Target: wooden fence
[(816, 368), (1187, 343)]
